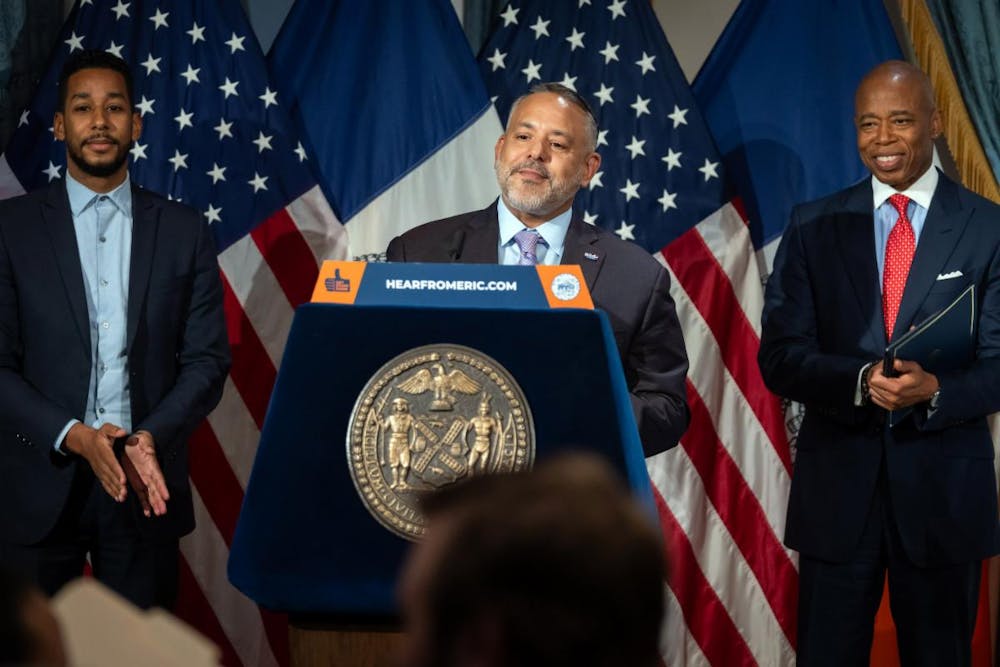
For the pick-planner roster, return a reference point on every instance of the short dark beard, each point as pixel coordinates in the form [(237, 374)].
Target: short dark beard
[(99, 170)]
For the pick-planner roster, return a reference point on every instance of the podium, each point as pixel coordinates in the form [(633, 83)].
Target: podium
[(307, 542)]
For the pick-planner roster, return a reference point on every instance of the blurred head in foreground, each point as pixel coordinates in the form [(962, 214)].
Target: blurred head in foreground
[(29, 632), (558, 566)]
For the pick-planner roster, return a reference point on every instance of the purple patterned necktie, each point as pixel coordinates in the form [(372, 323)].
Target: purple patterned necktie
[(527, 241)]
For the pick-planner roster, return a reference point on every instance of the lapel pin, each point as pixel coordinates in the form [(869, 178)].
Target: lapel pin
[(590, 255)]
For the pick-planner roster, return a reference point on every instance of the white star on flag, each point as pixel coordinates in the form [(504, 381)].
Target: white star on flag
[(197, 33), (145, 107), (121, 9), (631, 190), (575, 40), (667, 200), (179, 160), (625, 232), (540, 28), (596, 180), (509, 16), (532, 71), (269, 98), (235, 43), (184, 119), (709, 169), (263, 142), (159, 19), (229, 87), (151, 64), (115, 49), (191, 74), (617, 9), (497, 59), (258, 182), (138, 151), (641, 105), (212, 214), (604, 94), (52, 171), (216, 173), (223, 129), (635, 147), (74, 42), (610, 52), (672, 158), (679, 116), (646, 63)]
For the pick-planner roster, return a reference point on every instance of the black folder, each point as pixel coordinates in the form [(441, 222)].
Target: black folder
[(944, 341)]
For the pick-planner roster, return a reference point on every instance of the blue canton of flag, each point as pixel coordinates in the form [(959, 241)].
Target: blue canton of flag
[(660, 173), (214, 134)]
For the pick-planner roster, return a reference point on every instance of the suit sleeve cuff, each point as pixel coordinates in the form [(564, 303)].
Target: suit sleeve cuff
[(58, 446)]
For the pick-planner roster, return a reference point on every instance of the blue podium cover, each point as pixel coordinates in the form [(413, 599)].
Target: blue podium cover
[(305, 542)]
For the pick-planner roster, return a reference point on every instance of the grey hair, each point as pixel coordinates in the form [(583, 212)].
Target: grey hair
[(572, 97)]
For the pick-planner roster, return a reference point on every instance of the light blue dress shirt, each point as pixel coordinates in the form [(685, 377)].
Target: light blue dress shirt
[(550, 246), (103, 226), (920, 194)]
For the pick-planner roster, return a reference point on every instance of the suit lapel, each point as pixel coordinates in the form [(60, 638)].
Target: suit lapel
[(943, 227), (58, 221), (855, 233), (579, 248), (145, 220), (482, 237)]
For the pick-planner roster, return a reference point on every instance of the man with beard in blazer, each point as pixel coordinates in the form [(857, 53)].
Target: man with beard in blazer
[(112, 349), (545, 155), (915, 501)]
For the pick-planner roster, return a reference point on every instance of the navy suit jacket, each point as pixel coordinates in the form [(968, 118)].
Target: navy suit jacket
[(178, 353), (624, 281), (823, 321)]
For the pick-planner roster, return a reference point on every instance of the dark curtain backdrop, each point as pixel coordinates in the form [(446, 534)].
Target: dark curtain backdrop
[(971, 33), (28, 29)]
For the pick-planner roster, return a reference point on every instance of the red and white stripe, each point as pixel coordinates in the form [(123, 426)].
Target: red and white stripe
[(722, 492)]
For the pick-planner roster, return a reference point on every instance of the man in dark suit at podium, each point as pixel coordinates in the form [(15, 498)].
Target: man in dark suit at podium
[(917, 500), (112, 349), (545, 155)]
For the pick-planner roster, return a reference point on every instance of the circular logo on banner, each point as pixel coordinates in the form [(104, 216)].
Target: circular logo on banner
[(428, 418), (565, 287)]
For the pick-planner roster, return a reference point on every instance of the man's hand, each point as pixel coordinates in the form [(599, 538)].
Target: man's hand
[(97, 447), (913, 385), (144, 474)]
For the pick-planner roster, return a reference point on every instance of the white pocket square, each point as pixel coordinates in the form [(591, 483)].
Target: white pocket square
[(949, 275)]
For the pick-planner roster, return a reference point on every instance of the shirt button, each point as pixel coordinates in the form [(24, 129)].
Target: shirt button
[(101, 410), (102, 239), (106, 325), (104, 283)]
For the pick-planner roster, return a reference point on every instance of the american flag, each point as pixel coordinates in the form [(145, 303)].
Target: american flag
[(217, 137), (721, 494)]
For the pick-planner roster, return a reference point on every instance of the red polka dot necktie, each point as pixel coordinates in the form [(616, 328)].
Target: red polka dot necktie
[(899, 249)]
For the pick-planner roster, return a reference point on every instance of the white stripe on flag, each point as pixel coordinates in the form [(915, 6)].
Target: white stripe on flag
[(720, 559), (206, 554), (259, 292), (735, 422), (235, 431), (728, 238), (419, 197), (318, 225), (677, 646)]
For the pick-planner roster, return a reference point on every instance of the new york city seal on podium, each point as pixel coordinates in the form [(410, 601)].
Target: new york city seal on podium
[(428, 418)]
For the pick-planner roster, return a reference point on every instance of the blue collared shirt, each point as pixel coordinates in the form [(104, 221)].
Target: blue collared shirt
[(920, 194), (103, 226), (550, 247)]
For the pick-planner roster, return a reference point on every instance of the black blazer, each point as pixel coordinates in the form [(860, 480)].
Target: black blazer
[(624, 281), (823, 321), (178, 353)]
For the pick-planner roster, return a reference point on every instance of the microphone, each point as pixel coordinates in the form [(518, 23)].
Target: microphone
[(455, 249)]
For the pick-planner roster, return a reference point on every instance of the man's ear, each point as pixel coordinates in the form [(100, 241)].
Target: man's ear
[(59, 126)]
